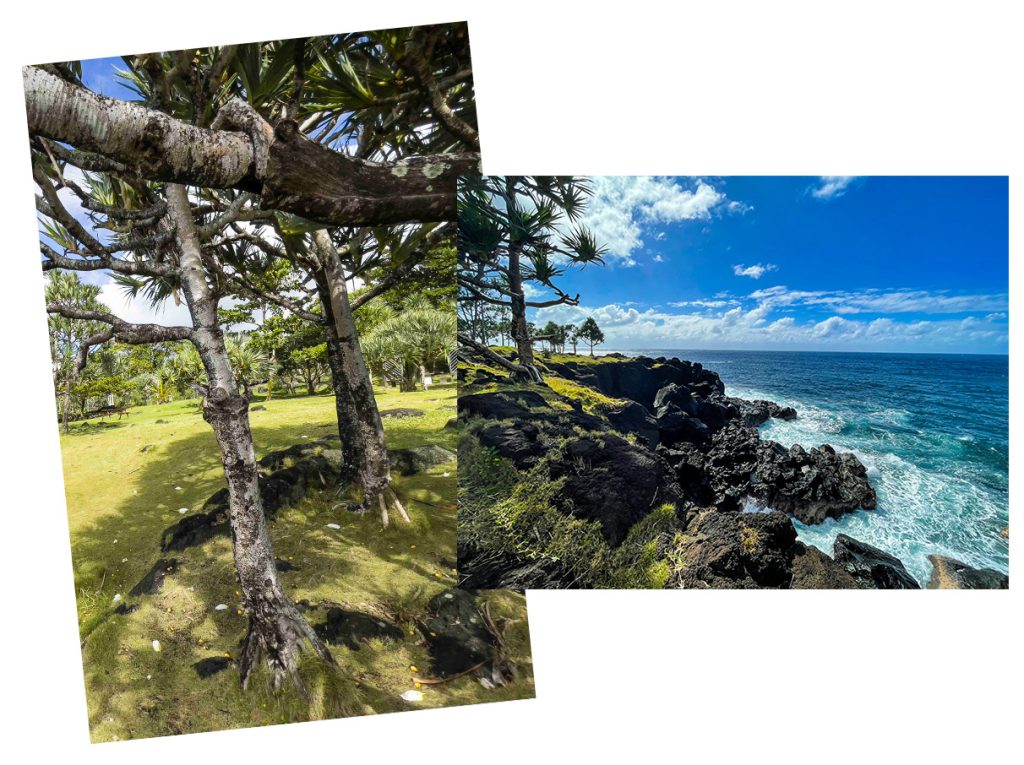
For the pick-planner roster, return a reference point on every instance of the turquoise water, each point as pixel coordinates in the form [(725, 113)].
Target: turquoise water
[(932, 431)]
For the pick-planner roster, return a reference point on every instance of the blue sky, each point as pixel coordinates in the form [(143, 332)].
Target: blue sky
[(911, 264)]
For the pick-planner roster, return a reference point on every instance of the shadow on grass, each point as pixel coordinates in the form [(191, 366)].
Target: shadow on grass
[(135, 690)]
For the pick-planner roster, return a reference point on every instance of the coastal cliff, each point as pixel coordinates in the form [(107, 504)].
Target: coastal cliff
[(641, 472)]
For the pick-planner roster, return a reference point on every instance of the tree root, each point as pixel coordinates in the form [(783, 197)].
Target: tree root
[(278, 633), (391, 500)]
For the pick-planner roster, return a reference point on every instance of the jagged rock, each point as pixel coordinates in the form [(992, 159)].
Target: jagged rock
[(452, 424), (951, 574), (352, 628), (872, 567), (456, 633), (612, 481), (758, 411), (739, 550), (401, 413), (512, 405), (633, 418), (814, 570), (675, 425), (811, 485), (1005, 533), (640, 379), (520, 443), (153, 581), (316, 466), (419, 458)]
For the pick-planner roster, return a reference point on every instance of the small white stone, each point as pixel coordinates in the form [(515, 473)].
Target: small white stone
[(446, 474), (448, 596), (177, 488), (149, 677), (220, 607), (115, 541), (156, 646), (412, 696), (334, 526), (182, 510), (117, 598), (486, 683), (124, 560)]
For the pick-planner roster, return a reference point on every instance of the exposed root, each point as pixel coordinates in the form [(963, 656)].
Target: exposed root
[(278, 633), (398, 504)]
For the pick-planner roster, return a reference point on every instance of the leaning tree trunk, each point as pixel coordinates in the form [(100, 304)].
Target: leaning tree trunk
[(277, 631), (520, 330), (352, 387)]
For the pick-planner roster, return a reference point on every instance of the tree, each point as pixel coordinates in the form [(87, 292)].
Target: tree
[(514, 231), (226, 122), (591, 333), (573, 334), (419, 335), (553, 333)]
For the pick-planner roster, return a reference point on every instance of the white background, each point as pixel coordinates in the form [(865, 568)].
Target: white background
[(637, 87)]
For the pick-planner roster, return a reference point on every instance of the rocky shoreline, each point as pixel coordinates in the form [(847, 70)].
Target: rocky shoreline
[(664, 433)]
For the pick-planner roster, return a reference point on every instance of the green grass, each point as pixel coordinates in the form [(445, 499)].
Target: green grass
[(120, 499)]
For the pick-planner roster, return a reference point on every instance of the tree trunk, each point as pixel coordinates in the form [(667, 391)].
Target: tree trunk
[(520, 330), (351, 380), (277, 631)]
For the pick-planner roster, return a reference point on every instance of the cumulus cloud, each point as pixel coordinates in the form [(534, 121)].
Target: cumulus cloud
[(623, 207), (885, 301), (831, 186), (754, 322), (755, 271), (659, 258)]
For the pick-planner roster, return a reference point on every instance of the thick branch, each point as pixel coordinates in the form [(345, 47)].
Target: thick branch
[(490, 355), (122, 331), (292, 174)]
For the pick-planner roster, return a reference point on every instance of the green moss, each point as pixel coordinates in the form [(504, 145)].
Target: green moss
[(121, 498), (592, 401)]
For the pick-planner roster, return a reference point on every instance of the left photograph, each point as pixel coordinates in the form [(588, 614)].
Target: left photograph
[(248, 257)]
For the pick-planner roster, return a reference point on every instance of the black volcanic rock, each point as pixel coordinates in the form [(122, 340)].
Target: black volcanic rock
[(951, 574), (610, 480), (814, 570), (811, 485), (634, 418), (739, 550), (872, 567), (756, 412)]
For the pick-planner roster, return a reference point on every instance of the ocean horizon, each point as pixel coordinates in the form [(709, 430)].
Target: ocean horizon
[(931, 428)]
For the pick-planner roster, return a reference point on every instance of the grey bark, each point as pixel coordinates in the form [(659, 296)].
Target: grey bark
[(290, 172), (520, 330), (277, 631), (359, 422)]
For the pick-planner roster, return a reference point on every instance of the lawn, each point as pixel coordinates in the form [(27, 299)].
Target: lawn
[(127, 480)]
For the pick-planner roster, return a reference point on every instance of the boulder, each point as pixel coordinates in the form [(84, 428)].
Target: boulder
[(401, 413), (457, 635), (633, 418), (871, 567), (211, 666), (610, 480), (951, 574), (811, 485), (521, 443), (814, 570), (419, 458), (739, 550), (758, 411)]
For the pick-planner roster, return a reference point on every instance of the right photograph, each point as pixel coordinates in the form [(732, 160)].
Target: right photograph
[(733, 382)]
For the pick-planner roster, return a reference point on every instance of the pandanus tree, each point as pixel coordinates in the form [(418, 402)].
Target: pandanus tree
[(222, 136), (519, 230)]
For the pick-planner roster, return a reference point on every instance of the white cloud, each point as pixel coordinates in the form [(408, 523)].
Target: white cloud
[(831, 186), (661, 236), (755, 271), (658, 258), (885, 301), (622, 207), (749, 323)]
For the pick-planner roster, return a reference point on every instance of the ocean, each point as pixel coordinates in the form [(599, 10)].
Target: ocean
[(932, 430)]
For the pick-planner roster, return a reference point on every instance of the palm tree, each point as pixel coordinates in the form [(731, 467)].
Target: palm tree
[(420, 336), (251, 364)]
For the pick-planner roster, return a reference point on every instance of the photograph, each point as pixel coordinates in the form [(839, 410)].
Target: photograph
[(733, 382), (248, 257)]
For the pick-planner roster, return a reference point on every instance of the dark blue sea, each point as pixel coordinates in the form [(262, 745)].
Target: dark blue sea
[(931, 429)]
